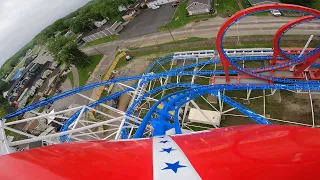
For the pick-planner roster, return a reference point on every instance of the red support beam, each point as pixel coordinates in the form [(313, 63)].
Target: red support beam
[(317, 73), (276, 38), (306, 64)]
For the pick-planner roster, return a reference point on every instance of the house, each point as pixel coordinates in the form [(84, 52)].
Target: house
[(133, 10), (100, 23), (153, 4), (196, 7), (122, 8), (105, 30)]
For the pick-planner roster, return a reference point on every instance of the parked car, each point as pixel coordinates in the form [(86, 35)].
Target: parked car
[(275, 12), (128, 58), (175, 4)]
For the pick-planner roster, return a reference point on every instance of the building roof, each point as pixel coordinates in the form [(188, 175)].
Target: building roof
[(102, 28), (256, 2), (21, 77), (199, 1)]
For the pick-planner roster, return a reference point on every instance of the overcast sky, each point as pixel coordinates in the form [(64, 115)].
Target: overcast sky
[(21, 20)]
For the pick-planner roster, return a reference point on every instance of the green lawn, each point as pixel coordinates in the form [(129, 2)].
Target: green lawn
[(181, 18), (122, 62), (245, 3), (316, 4), (227, 7), (89, 68), (102, 40), (70, 76)]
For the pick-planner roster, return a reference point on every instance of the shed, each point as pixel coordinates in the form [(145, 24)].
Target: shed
[(196, 7), (196, 116)]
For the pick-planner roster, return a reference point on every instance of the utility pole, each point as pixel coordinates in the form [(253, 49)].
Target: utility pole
[(165, 25), (93, 45)]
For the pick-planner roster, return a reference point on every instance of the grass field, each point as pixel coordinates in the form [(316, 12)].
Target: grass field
[(316, 4), (122, 62), (102, 40), (89, 68), (228, 7)]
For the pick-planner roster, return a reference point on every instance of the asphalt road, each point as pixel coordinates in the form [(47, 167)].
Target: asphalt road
[(208, 29), (147, 22)]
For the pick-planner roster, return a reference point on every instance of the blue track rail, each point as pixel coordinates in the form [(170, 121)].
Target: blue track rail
[(179, 71)]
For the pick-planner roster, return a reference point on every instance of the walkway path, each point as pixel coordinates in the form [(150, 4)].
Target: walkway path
[(75, 75)]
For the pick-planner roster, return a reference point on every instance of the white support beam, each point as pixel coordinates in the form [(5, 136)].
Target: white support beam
[(75, 123), (209, 103), (264, 103), (62, 133), (220, 101), (130, 133), (226, 111), (311, 105), (120, 128), (302, 52), (114, 133), (42, 116), (95, 136), (4, 145), (248, 94), (103, 105), (97, 132), (25, 134), (200, 110)]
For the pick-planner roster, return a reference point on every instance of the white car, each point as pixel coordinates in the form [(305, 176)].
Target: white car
[(155, 7), (275, 12)]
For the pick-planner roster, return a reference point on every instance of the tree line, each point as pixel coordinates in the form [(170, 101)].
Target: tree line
[(82, 19)]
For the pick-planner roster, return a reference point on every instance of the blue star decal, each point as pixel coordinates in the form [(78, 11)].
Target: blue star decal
[(164, 141), (174, 167), (168, 150)]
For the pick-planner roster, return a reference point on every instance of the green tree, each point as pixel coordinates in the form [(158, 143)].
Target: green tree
[(80, 24), (65, 50)]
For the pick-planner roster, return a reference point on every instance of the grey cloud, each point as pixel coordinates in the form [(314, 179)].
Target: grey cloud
[(21, 20)]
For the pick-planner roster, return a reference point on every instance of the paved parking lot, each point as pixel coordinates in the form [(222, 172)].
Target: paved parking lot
[(148, 21)]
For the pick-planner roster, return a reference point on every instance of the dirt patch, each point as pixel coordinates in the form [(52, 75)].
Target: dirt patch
[(136, 67)]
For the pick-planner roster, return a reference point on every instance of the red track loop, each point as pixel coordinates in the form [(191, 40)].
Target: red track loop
[(243, 13), (276, 39)]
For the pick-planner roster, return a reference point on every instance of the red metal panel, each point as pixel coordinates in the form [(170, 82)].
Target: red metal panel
[(254, 152), (306, 64), (317, 73), (88, 160)]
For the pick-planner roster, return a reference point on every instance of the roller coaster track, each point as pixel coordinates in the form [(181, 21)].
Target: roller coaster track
[(162, 120)]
